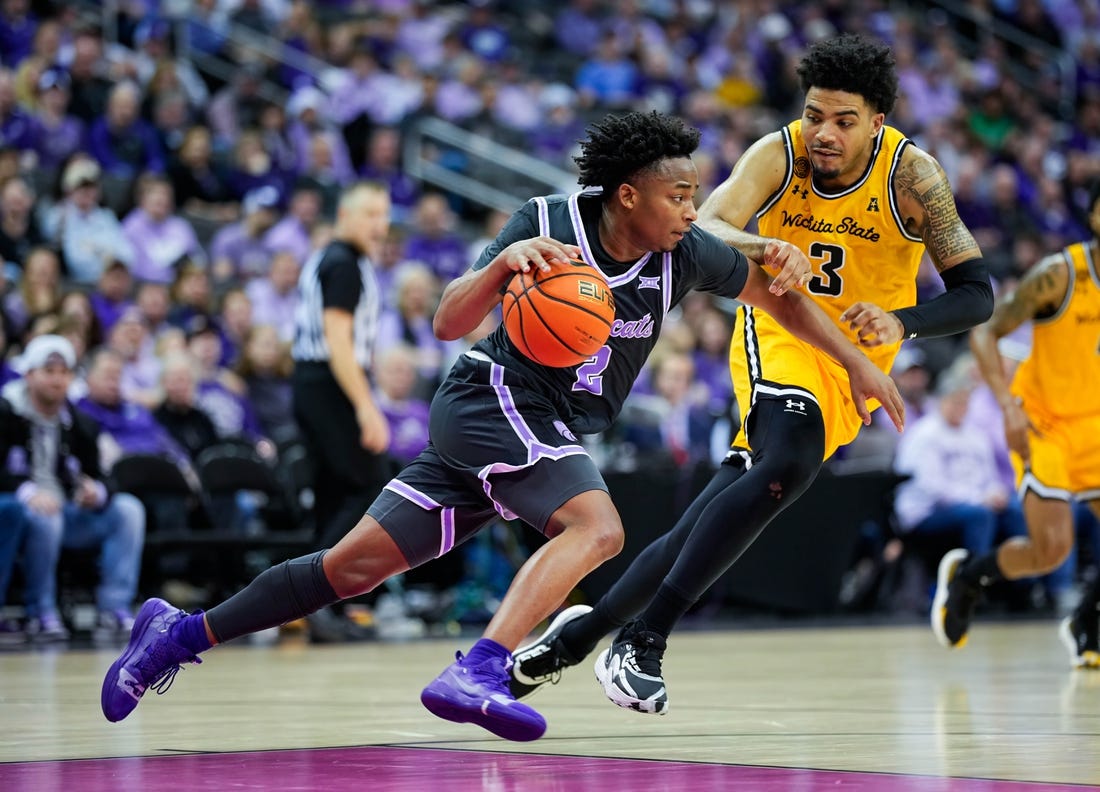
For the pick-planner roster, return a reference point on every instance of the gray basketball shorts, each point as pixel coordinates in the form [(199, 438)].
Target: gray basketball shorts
[(498, 450)]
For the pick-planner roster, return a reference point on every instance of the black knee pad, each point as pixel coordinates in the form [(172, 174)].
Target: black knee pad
[(788, 440)]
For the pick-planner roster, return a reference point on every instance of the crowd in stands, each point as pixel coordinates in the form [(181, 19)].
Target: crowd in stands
[(155, 210)]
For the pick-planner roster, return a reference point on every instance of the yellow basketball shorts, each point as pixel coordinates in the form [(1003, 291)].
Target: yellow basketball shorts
[(1065, 457), (768, 362)]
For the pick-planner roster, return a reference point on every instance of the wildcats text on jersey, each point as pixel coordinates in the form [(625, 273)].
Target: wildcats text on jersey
[(637, 328)]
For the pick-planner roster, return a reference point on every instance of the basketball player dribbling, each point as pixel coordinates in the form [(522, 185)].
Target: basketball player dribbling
[(503, 429), (864, 204)]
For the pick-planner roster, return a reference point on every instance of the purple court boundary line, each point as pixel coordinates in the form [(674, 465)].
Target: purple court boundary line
[(400, 767)]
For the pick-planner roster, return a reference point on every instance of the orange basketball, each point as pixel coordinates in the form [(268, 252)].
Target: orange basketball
[(561, 317)]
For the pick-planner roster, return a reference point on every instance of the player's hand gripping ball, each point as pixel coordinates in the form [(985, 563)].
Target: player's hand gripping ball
[(561, 317)]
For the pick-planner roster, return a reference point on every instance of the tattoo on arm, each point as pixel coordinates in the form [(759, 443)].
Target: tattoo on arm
[(1039, 294), (937, 222)]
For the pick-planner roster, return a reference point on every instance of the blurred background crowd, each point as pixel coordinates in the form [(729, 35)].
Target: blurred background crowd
[(167, 166)]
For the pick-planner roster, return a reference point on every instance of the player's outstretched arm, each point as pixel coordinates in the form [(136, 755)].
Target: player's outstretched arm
[(803, 318), (755, 178), (468, 298), (1039, 294)]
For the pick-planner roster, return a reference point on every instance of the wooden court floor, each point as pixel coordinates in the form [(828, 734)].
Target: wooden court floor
[(773, 709)]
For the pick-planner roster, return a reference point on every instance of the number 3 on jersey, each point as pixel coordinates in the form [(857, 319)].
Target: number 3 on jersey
[(829, 259)]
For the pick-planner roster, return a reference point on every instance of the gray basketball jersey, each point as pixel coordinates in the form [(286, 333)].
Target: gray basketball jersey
[(590, 395)]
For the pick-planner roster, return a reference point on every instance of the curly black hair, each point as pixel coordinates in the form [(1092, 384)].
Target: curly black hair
[(855, 64), (618, 148)]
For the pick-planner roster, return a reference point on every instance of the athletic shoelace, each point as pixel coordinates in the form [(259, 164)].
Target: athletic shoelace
[(158, 656)]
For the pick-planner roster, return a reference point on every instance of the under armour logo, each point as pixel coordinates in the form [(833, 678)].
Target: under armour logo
[(873, 205), (800, 406), (649, 283), (799, 192)]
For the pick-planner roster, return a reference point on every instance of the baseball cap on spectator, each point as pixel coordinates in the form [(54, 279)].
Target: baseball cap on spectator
[(46, 349), (53, 78), (307, 98), (79, 173), (266, 197)]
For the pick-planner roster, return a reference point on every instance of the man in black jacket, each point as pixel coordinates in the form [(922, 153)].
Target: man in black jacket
[(51, 468)]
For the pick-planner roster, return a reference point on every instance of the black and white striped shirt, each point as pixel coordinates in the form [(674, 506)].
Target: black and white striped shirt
[(336, 277)]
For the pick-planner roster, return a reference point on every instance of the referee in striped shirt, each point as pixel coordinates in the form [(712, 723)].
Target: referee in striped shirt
[(334, 337)]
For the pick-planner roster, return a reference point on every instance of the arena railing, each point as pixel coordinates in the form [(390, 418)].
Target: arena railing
[(477, 167)]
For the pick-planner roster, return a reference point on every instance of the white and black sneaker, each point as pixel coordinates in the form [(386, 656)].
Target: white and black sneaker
[(1080, 634), (543, 661), (954, 601), (630, 671)]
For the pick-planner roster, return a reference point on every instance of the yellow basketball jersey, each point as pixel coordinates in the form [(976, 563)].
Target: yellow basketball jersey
[(855, 239), (1061, 377)]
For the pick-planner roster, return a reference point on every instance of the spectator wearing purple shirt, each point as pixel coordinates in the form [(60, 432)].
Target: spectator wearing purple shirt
[(140, 366), (578, 27), (220, 394), (237, 106), (111, 297), (7, 370), (356, 87), (408, 320), (17, 128), (383, 164), (459, 98), (17, 29), (207, 27), (711, 358), (233, 322), (320, 175), (59, 134), (191, 294), (305, 110), (131, 427), (293, 232), (395, 379), (420, 35), (275, 296), (482, 35), (556, 137), (153, 302), (433, 242), (238, 250), (159, 237), (122, 143), (253, 167)]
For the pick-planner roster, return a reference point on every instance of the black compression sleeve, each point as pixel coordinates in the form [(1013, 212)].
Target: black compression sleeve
[(968, 301)]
